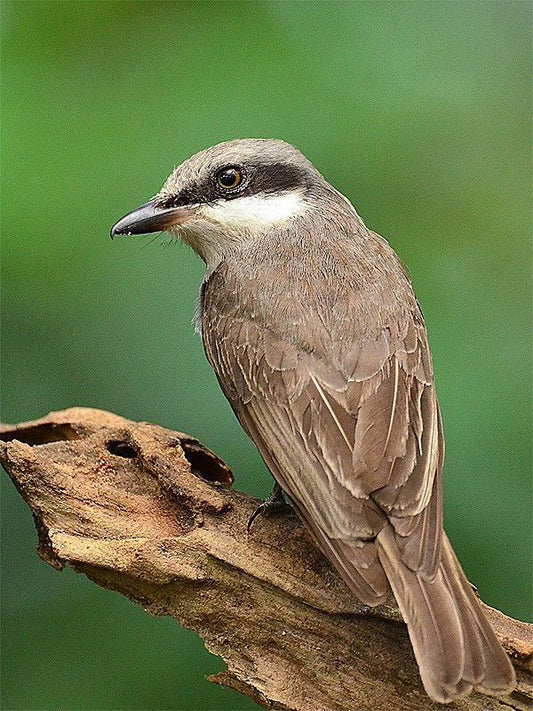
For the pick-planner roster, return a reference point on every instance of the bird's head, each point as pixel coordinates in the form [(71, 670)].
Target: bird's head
[(227, 194)]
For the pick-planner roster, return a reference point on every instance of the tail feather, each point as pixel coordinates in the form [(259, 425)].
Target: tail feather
[(454, 644), (494, 674)]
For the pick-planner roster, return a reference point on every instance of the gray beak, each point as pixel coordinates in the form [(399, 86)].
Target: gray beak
[(151, 217)]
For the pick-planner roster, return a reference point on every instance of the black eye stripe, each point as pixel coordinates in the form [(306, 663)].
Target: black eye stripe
[(275, 177), (257, 178)]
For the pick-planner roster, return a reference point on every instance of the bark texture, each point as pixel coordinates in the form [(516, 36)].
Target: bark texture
[(151, 514)]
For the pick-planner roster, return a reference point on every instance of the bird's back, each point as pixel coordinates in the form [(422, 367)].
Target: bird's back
[(324, 290), (321, 349)]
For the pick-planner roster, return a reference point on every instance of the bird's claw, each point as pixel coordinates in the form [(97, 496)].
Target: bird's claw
[(274, 503)]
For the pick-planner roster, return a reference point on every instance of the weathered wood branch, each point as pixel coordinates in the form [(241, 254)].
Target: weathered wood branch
[(150, 513)]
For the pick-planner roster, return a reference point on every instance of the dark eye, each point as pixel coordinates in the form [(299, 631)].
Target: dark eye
[(229, 178)]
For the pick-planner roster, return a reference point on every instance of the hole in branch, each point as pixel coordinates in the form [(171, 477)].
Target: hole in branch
[(205, 464), (121, 449), (41, 434)]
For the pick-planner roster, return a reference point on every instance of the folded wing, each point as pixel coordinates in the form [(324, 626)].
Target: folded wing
[(352, 450)]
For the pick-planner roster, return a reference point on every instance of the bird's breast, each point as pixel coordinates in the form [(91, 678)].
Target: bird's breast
[(322, 299)]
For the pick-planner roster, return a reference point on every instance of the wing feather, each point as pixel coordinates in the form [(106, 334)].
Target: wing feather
[(355, 448)]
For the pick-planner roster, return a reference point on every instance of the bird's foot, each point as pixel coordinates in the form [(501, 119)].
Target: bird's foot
[(274, 503)]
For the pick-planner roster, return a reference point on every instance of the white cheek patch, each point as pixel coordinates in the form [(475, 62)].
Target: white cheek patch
[(256, 210)]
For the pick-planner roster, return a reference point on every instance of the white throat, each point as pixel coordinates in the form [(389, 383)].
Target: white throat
[(256, 211), (221, 225)]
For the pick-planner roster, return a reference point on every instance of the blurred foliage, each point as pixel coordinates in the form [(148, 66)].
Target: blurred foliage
[(418, 111)]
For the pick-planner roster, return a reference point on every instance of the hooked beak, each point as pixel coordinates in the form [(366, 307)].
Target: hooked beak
[(151, 217)]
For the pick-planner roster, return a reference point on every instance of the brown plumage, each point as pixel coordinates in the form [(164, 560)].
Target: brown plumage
[(312, 327)]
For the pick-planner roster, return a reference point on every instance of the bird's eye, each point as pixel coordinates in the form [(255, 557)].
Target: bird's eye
[(229, 178)]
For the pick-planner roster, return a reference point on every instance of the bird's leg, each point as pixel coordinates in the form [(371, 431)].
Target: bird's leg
[(274, 503)]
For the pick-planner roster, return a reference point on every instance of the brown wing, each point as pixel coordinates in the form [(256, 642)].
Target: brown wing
[(352, 447), (331, 377)]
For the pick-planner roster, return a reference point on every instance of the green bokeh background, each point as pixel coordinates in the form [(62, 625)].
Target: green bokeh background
[(418, 111)]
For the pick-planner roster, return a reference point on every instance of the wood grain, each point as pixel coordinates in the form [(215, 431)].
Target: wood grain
[(151, 514)]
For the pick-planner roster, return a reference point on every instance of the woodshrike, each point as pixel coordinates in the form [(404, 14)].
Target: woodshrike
[(311, 324)]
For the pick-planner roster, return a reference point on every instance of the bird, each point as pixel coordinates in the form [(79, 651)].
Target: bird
[(311, 324)]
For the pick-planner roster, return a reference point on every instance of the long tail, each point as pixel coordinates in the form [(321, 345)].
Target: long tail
[(454, 644)]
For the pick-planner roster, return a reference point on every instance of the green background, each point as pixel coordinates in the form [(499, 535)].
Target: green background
[(418, 112)]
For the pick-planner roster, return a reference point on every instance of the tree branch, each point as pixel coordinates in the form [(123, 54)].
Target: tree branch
[(150, 513)]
